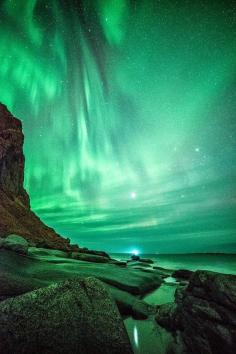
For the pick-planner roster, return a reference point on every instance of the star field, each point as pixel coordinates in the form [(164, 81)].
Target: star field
[(129, 116)]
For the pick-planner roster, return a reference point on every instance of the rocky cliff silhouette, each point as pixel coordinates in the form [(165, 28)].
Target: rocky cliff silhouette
[(16, 217)]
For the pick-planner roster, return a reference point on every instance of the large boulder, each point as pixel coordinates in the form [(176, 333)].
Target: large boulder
[(16, 243), (76, 316), (16, 217), (204, 314)]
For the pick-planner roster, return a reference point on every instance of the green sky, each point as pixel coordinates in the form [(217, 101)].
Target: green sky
[(129, 115)]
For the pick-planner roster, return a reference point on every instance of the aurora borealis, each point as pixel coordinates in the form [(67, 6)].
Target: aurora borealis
[(129, 115)]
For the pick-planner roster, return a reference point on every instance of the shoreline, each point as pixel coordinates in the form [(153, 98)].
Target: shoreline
[(139, 287), (223, 263)]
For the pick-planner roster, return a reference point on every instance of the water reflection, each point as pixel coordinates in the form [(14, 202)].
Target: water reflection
[(136, 336), (147, 337)]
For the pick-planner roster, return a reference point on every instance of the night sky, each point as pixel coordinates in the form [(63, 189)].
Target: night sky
[(129, 115)]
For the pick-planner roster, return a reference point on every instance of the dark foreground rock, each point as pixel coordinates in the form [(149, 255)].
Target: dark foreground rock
[(204, 314), (182, 274), (77, 316)]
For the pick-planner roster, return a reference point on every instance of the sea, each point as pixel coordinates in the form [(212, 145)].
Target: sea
[(220, 262)]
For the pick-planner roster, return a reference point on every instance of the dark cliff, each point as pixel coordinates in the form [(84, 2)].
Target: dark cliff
[(15, 213)]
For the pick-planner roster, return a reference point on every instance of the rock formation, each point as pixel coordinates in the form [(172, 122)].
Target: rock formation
[(16, 217), (203, 317), (16, 244), (21, 274), (75, 316)]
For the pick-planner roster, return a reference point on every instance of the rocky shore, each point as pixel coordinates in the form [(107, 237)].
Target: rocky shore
[(42, 284), (60, 298), (203, 316)]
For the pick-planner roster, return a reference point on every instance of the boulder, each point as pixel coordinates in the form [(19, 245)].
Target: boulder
[(76, 316), (15, 243), (134, 257), (182, 274), (170, 281), (204, 313), (166, 316)]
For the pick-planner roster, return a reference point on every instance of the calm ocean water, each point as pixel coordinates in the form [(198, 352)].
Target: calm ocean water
[(223, 263)]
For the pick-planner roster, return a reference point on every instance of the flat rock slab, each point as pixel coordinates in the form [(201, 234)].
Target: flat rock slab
[(19, 274), (89, 257), (76, 316)]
